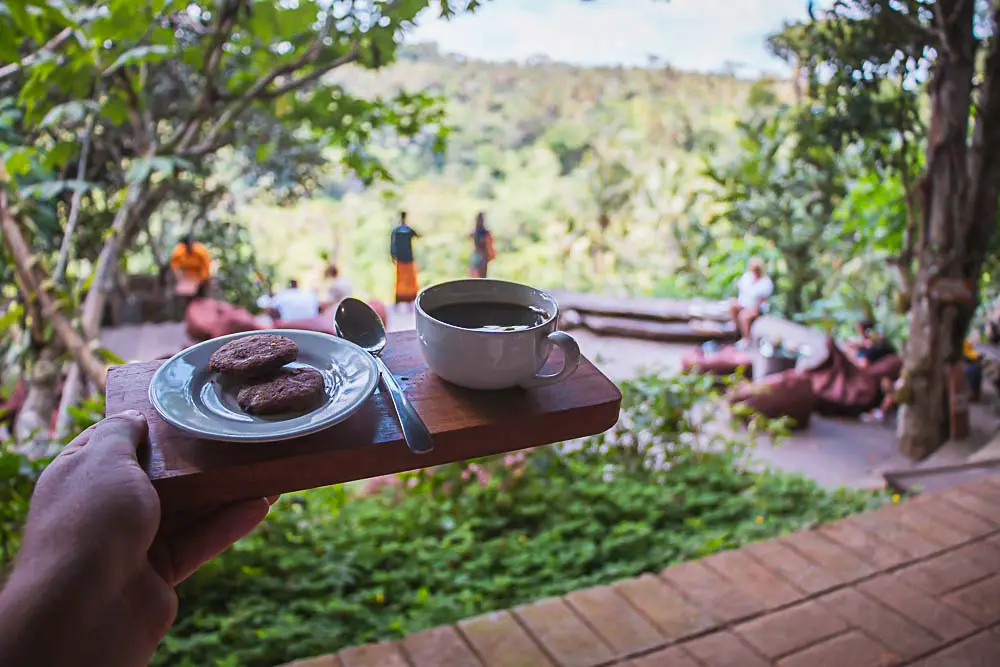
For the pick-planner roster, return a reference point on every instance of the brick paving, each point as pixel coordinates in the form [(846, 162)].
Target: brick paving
[(916, 583)]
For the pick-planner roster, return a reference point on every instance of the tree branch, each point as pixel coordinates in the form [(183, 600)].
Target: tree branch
[(259, 91), (312, 77), (908, 21), (33, 279), (141, 119), (51, 45), (93, 304), (74, 208), (223, 26)]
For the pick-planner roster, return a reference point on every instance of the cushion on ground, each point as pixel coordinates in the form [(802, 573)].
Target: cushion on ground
[(209, 318), (844, 390), (724, 361), (324, 321), (787, 394)]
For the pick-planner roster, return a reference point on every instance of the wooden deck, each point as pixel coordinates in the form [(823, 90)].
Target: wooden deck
[(917, 583)]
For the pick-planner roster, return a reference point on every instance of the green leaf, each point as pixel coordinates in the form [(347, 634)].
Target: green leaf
[(69, 113), (59, 155), (108, 357), (115, 110), (8, 46), (144, 168), (9, 318), (49, 190), (24, 20), (153, 53), (17, 161)]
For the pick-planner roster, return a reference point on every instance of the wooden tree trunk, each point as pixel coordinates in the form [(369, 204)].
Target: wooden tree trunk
[(72, 388), (31, 430), (107, 262), (958, 219)]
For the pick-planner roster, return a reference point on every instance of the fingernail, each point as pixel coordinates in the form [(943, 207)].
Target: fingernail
[(134, 414)]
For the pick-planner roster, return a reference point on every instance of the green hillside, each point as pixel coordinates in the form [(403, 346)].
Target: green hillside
[(544, 148)]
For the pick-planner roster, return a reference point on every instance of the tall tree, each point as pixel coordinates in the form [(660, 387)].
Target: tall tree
[(863, 46), (123, 106)]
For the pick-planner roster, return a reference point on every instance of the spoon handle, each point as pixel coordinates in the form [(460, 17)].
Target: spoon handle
[(415, 432)]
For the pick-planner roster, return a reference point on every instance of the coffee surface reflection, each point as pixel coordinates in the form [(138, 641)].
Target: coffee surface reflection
[(487, 316)]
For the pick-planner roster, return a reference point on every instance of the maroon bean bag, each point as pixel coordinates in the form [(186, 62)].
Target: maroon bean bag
[(324, 321), (724, 361), (844, 390), (208, 318), (787, 394)]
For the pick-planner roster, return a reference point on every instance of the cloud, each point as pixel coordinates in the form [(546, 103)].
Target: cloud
[(688, 34)]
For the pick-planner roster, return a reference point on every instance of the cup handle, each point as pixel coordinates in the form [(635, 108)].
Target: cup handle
[(571, 354)]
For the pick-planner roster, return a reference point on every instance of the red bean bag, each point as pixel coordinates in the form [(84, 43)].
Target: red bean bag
[(787, 394), (208, 318), (379, 308), (724, 361), (322, 323), (844, 390)]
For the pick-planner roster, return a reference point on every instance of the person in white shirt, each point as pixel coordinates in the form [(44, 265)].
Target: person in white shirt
[(295, 303), (755, 288), (338, 287)]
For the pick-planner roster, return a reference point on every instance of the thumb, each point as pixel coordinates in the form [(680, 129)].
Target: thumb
[(119, 435)]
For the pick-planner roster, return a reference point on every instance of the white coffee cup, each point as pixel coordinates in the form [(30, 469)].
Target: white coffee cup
[(479, 359)]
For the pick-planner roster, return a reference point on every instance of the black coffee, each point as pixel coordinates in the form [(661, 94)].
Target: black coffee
[(486, 316)]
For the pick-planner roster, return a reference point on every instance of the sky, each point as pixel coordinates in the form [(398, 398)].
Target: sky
[(700, 35)]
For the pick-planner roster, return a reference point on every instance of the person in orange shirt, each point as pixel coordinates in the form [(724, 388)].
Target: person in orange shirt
[(192, 267)]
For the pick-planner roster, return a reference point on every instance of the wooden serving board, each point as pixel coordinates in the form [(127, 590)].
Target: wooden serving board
[(190, 473)]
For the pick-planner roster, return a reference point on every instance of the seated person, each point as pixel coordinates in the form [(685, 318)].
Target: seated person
[(294, 303), (973, 366), (755, 288), (973, 378), (192, 267), (993, 324), (871, 346), (338, 287)]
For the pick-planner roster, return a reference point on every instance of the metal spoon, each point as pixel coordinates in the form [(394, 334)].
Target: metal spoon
[(355, 321)]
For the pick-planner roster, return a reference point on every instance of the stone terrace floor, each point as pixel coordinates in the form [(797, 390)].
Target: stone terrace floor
[(916, 583)]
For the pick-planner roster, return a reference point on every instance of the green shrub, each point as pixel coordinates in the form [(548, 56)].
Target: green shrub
[(19, 472), (328, 570)]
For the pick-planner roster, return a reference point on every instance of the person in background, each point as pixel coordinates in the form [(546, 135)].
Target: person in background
[(482, 248), (294, 303), (871, 346), (973, 366), (192, 267), (338, 287), (754, 290), (401, 250)]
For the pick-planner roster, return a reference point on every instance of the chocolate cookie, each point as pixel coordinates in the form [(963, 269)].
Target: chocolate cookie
[(253, 356), (291, 390)]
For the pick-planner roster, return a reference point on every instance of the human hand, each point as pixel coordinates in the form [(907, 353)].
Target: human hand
[(94, 580)]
